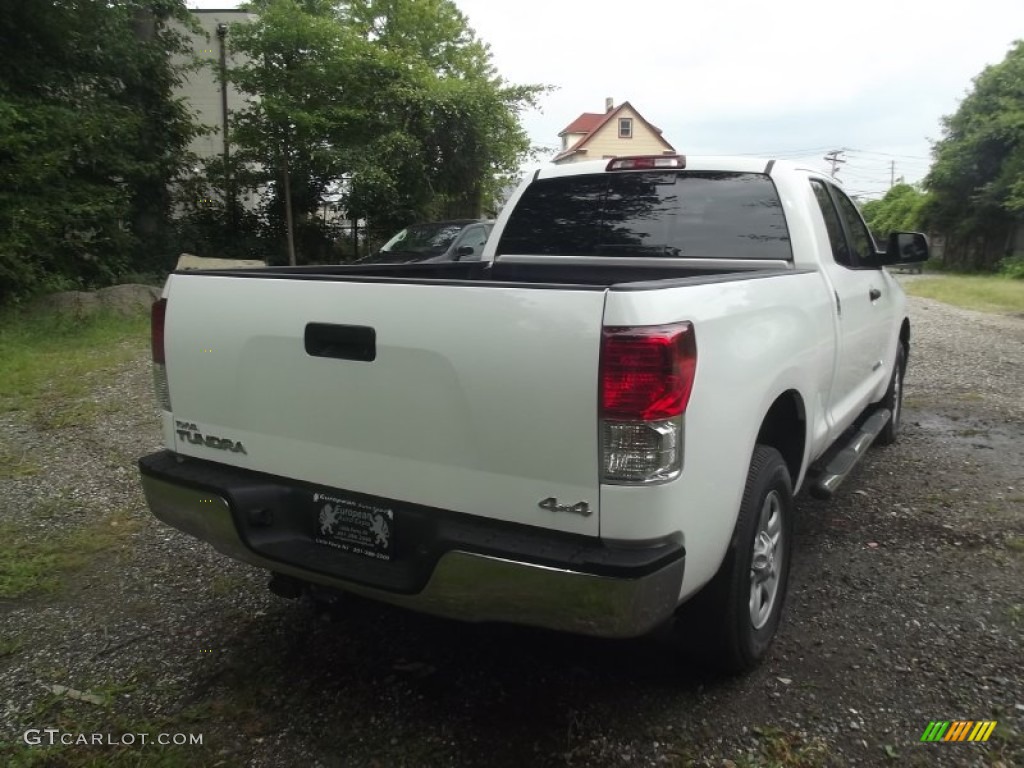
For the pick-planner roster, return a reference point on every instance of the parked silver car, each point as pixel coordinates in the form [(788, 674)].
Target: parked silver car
[(455, 240)]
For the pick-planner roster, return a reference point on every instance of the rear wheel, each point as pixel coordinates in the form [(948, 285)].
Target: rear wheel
[(893, 399), (740, 610)]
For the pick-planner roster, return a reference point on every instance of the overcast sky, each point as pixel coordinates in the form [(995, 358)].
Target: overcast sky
[(790, 78)]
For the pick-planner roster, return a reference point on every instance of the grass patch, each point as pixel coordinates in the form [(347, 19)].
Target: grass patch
[(221, 584), (51, 358), (81, 413), (914, 402), (73, 718), (1016, 544), (9, 646), (14, 465), (34, 563), (984, 293), (969, 397), (778, 749)]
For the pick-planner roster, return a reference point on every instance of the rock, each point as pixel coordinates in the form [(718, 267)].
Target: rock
[(77, 303), (188, 262), (71, 693), (126, 299)]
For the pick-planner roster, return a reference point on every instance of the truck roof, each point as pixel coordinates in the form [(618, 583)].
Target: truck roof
[(736, 163)]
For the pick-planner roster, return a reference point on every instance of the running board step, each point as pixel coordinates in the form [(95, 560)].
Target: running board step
[(843, 458)]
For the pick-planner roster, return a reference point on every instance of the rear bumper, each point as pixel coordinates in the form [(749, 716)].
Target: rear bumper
[(460, 566)]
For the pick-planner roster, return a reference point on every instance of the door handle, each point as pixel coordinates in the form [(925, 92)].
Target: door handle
[(875, 294), (344, 342)]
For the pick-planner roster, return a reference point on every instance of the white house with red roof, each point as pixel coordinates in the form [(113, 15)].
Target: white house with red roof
[(617, 131)]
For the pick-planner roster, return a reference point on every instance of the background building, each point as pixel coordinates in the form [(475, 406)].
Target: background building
[(202, 88), (620, 130)]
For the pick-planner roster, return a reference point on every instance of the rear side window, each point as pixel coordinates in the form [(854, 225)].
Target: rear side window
[(862, 242), (840, 250), (687, 214)]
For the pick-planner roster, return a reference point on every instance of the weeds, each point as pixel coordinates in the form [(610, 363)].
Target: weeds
[(51, 360), (121, 740), (14, 465), (9, 646), (778, 749), (33, 562)]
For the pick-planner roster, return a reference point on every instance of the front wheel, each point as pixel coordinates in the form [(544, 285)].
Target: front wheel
[(893, 399)]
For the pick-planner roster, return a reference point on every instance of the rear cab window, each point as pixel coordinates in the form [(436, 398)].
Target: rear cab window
[(670, 214)]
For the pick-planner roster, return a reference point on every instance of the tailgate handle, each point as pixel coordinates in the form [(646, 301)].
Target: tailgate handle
[(344, 342)]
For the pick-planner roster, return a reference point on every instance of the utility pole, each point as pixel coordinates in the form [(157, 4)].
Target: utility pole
[(229, 186), (289, 220), (892, 173), (834, 159)]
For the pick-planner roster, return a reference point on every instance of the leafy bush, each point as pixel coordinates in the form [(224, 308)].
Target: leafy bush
[(90, 136), (899, 211), (1012, 267)]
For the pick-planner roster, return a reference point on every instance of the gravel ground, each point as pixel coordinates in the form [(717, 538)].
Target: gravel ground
[(906, 606)]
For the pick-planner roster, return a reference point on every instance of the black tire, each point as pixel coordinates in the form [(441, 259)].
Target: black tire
[(893, 399), (725, 607)]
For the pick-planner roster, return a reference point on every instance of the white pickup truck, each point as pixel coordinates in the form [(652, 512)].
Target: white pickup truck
[(604, 417)]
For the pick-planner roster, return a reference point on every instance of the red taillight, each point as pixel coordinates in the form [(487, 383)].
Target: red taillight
[(646, 162), (647, 372), (156, 330)]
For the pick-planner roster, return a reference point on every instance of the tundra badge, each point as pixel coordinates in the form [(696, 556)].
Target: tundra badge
[(189, 431)]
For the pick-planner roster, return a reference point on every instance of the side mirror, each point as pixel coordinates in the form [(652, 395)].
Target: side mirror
[(905, 248), (464, 250)]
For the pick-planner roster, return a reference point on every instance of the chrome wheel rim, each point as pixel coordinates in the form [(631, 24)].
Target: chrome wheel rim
[(765, 561)]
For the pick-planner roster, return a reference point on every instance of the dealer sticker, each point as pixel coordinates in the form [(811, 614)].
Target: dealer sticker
[(354, 526)]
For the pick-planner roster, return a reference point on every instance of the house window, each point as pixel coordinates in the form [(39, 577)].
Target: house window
[(625, 128)]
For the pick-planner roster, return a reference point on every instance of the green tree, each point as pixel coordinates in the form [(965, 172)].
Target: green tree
[(899, 211), (89, 138), (977, 178), (433, 33), (393, 102), (459, 138), (305, 72)]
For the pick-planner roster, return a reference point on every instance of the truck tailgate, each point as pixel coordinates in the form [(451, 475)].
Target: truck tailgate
[(479, 399)]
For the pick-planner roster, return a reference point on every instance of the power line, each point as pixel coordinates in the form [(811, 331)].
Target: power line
[(783, 154), (887, 154), (884, 164)]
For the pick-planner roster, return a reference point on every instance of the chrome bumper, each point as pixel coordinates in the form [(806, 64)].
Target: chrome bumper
[(464, 585)]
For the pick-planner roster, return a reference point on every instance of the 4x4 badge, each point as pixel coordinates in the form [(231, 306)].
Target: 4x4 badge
[(551, 504)]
